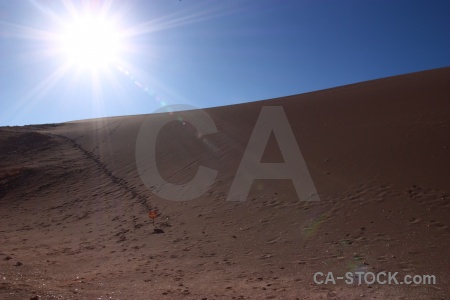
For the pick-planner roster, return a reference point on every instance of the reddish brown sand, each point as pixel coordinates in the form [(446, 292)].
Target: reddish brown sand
[(74, 212)]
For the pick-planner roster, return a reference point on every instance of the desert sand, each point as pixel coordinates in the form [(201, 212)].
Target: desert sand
[(74, 218)]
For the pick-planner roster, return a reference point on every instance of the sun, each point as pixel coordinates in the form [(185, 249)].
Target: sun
[(90, 42)]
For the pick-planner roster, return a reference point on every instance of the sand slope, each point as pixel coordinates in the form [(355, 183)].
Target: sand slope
[(74, 212)]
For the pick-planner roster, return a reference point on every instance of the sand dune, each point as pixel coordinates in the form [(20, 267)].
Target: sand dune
[(74, 212)]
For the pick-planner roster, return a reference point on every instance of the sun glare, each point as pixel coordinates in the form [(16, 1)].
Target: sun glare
[(90, 42), (95, 46)]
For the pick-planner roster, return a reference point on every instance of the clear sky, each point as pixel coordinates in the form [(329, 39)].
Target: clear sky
[(71, 60)]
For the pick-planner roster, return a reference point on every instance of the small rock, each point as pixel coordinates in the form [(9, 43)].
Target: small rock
[(18, 264), (7, 258), (36, 297), (158, 230)]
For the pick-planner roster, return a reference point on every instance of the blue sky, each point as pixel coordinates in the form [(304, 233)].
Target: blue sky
[(209, 53)]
